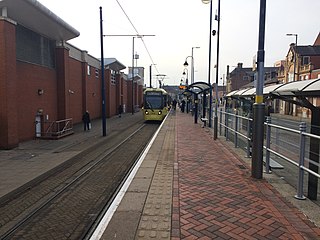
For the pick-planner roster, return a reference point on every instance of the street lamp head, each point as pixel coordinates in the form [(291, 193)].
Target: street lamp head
[(206, 1), (186, 64), (214, 32)]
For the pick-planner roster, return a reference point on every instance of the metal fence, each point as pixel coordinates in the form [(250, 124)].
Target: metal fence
[(56, 129), (286, 145)]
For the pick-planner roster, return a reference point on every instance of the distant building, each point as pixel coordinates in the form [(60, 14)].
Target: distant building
[(242, 77), (301, 63)]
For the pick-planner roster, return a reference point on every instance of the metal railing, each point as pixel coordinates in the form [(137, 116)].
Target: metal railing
[(283, 143), (56, 129)]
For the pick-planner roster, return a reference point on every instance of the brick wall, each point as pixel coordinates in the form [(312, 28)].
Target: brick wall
[(75, 91), (33, 78), (29, 90), (8, 86)]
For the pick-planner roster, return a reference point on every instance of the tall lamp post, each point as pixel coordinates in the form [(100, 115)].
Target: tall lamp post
[(186, 72), (150, 71), (132, 75), (133, 55), (192, 64), (295, 54), (209, 69), (186, 65)]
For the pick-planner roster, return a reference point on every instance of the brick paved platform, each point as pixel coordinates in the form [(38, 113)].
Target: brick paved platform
[(216, 198), (208, 192)]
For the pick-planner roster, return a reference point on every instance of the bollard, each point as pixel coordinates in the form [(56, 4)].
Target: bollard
[(268, 139), (302, 128)]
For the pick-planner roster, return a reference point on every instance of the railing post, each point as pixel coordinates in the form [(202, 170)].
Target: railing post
[(248, 137), (226, 128), (277, 136), (268, 139), (220, 126), (302, 128), (236, 129)]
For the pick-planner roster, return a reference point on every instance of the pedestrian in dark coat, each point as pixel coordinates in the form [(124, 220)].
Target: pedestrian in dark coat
[(183, 105), (174, 104), (86, 121), (120, 110)]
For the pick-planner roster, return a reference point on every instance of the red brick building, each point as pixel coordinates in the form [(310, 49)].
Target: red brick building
[(44, 80)]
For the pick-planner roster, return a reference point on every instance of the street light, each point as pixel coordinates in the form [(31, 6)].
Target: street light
[(133, 55), (209, 68), (192, 64), (150, 70), (295, 54), (132, 74), (186, 72)]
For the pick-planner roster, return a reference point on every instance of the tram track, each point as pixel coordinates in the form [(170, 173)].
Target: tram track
[(82, 190)]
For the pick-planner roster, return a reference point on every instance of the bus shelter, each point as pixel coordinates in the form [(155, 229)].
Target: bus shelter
[(198, 89), (296, 92)]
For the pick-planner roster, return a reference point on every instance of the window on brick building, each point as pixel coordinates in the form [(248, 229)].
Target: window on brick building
[(34, 48), (305, 60), (113, 77)]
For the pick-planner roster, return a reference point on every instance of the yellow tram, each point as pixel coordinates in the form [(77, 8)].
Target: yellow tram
[(155, 104)]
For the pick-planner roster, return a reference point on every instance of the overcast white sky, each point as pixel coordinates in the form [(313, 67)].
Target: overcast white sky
[(180, 25)]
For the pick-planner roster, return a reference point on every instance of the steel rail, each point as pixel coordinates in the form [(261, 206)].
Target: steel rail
[(86, 169)]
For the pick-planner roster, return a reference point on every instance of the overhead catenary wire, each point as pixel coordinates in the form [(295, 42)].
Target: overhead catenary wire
[(137, 32)]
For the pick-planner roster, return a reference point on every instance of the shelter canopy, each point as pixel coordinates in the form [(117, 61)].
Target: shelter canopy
[(305, 88)]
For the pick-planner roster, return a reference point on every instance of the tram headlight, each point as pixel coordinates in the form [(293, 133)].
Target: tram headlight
[(160, 112), (146, 112)]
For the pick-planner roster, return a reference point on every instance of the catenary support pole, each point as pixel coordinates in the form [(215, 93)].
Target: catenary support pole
[(103, 90), (258, 107)]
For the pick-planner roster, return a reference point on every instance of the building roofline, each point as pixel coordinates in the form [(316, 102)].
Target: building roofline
[(38, 18)]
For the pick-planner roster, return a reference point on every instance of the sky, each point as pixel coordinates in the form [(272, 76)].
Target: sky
[(180, 25)]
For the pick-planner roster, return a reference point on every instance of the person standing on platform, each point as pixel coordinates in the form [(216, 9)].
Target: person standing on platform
[(174, 104), (120, 110), (183, 104), (86, 121)]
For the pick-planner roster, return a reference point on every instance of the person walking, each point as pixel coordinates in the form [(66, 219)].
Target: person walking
[(174, 104), (86, 121), (183, 105), (120, 109)]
